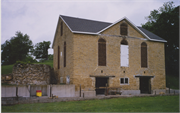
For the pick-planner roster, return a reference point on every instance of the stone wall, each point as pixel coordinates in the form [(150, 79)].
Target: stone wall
[(38, 74), (67, 37), (82, 60)]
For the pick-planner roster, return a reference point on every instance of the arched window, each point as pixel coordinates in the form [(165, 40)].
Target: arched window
[(123, 29), (58, 57), (143, 54), (101, 52), (61, 28), (124, 53), (64, 54)]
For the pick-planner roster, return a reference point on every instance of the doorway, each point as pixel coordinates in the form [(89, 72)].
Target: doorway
[(101, 82), (145, 85)]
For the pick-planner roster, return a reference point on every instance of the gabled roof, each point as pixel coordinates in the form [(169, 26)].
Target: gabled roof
[(151, 35), (85, 26)]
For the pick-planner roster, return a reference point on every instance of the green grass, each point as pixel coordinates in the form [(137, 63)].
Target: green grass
[(47, 62), (134, 104), (6, 69), (172, 82)]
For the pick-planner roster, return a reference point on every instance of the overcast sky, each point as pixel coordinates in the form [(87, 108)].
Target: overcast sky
[(38, 18)]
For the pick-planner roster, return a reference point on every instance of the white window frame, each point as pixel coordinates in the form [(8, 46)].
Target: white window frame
[(124, 55), (124, 81)]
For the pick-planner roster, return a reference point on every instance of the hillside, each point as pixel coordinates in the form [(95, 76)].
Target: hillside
[(8, 68)]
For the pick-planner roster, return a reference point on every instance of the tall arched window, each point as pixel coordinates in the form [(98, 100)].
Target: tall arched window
[(143, 54), (64, 54), (58, 57), (124, 53), (101, 52), (123, 29)]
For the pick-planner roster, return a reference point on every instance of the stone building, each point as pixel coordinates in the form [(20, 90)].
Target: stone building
[(120, 54)]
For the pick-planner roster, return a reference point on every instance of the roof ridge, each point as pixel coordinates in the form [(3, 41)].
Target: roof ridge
[(86, 19)]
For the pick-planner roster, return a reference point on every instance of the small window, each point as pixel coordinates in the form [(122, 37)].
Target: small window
[(124, 81), (123, 29)]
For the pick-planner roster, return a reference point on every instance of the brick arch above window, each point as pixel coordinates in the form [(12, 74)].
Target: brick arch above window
[(143, 44), (101, 52), (101, 40), (123, 29), (124, 42)]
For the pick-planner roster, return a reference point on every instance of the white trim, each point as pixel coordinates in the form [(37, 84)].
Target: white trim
[(85, 32), (133, 26), (142, 31), (124, 81), (124, 58), (112, 24), (158, 40), (65, 22), (97, 33)]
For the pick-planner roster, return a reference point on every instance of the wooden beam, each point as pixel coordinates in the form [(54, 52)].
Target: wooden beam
[(102, 76)]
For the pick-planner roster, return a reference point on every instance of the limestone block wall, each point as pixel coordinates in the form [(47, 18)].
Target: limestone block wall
[(38, 74), (82, 59), (67, 37), (115, 30), (86, 62)]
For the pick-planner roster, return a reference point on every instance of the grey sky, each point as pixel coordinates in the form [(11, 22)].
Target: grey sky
[(38, 18)]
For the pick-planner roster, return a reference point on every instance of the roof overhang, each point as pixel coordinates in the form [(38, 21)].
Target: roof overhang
[(98, 33), (134, 26), (102, 76), (150, 76)]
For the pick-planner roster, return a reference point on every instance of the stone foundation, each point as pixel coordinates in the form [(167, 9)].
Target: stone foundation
[(130, 92), (37, 74), (86, 93)]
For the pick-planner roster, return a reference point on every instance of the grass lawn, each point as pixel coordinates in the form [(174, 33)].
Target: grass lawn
[(6, 69), (47, 62), (134, 104)]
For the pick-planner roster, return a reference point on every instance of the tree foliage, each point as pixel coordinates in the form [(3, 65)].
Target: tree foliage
[(41, 50), (165, 23), (17, 48), (50, 57)]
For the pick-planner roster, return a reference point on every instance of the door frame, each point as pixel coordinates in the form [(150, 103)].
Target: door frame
[(149, 83), (101, 85)]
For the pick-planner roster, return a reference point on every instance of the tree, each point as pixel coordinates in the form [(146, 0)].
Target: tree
[(165, 23), (41, 50), (17, 48), (50, 57)]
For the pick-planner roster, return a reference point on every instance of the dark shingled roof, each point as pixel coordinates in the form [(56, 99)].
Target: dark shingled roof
[(90, 26), (84, 25), (150, 34)]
